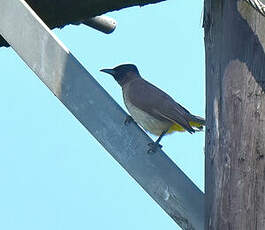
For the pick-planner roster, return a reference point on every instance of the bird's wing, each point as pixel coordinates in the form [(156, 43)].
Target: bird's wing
[(157, 103)]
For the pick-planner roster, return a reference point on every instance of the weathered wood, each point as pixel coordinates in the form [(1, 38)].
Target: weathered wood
[(235, 136), (63, 12)]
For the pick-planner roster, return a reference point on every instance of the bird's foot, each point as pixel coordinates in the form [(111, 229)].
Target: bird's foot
[(153, 147), (128, 120)]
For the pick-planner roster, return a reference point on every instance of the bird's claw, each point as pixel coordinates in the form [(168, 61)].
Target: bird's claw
[(153, 147), (128, 120)]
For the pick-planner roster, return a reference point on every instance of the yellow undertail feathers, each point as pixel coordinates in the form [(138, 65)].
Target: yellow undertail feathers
[(179, 128)]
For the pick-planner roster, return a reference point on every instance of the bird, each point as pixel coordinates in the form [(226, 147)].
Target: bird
[(150, 107)]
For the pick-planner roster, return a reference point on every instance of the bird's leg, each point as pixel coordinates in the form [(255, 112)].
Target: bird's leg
[(155, 145), (128, 120)]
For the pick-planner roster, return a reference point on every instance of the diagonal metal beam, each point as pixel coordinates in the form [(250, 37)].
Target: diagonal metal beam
[(100, 114)]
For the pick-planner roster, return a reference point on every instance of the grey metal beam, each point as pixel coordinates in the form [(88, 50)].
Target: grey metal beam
[(100, 114)]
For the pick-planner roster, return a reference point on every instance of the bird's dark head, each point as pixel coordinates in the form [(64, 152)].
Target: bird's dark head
[(123, 73)]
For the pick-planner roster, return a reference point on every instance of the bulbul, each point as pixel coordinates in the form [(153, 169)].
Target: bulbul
[(152, 108)]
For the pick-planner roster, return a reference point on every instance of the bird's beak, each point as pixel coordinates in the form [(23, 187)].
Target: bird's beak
[(109, 71)]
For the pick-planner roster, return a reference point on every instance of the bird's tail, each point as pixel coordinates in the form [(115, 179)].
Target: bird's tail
[(198, 122)]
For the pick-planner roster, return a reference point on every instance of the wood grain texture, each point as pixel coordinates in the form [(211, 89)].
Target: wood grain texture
[(60, 13), (235, 136)]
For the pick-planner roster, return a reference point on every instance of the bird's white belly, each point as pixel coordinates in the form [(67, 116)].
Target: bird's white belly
[(148, 122)]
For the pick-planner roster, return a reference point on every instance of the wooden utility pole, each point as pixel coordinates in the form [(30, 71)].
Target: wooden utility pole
[(235, 136)]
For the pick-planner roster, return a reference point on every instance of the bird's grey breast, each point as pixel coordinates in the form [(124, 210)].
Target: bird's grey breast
[(143, 118)]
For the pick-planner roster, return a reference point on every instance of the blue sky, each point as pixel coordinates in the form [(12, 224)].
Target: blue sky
[(53, 173)]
